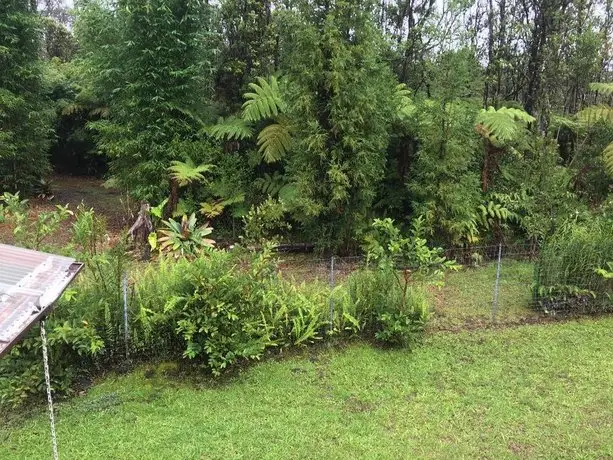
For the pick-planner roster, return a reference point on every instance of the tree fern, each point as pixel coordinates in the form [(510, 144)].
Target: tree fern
[(270, 184), (405, 108), (230, 128), (264, 102), (606, 89), (604, 113), (607, 158), (186, 172), (501, 125), (273, 141), (594, 113)]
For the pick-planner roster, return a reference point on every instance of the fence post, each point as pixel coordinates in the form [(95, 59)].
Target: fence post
[(125, 315), (497, 284), (331, 298)]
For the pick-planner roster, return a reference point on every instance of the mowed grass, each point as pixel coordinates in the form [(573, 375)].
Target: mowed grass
[(532, 391), (467, 296)]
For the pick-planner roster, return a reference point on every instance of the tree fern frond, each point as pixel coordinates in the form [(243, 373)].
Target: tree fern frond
[(186, 172), (517, 114), (274, 141), (71, 109), (594, 113), (76, 107), (559, 121), (230, 128), (264, 102), (405, 107), (496, 126), (102, 112), (501, 125), (607, 158), (186, 112), (606, 89), (270, 184)]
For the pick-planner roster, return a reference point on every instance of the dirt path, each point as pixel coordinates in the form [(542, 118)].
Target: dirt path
[(72, 191)]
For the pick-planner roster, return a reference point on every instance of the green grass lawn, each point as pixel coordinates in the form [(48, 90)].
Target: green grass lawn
[(466, 298), (533, 391)]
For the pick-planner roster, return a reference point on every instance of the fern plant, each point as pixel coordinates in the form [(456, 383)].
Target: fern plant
[(187, 172), (499, 127), (502, 125), (600, 113), (274, 140), (263, 103), (232, 128)]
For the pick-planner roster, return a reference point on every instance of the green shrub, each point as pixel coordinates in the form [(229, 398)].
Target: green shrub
[(296, 314), (73, 346), (386, 298), (379, 306), (567, 274), (217, 311)]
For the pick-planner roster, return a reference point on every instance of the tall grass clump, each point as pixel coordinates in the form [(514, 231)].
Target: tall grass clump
[(381, 306), (568, 274), (387, 298)]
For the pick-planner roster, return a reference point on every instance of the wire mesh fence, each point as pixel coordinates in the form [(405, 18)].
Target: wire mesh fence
[(496, 284)]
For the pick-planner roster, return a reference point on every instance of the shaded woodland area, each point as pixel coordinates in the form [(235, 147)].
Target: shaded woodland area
[(303, 120)]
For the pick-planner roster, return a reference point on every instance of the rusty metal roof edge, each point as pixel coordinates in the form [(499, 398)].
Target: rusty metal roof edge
[(17, 249), (73, 271)]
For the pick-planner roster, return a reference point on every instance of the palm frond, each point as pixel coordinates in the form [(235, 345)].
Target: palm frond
[(594, 113), (230, 129), (264, 102), (607, 158), (606, 89), (274, 141), (186, 172)]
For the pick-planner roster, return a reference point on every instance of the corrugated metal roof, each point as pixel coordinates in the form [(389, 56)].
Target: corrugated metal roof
[(30, 282)]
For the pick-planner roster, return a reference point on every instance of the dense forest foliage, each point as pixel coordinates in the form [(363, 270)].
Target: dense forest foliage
[(306, 119)]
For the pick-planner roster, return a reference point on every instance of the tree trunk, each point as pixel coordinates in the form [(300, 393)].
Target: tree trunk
[(173, 201)]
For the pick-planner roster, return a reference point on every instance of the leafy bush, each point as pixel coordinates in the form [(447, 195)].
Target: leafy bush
[(567, 275), (265, 222), (388, 300), (217, 311), (30, 232), (378, 305), (73, 345)]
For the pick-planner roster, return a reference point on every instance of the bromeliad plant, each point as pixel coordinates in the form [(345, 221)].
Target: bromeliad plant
[(183, 239)]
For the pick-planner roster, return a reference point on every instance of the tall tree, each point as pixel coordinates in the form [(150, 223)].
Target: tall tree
[(341, 97), (25, 112), (151, 62), (248, 46)]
